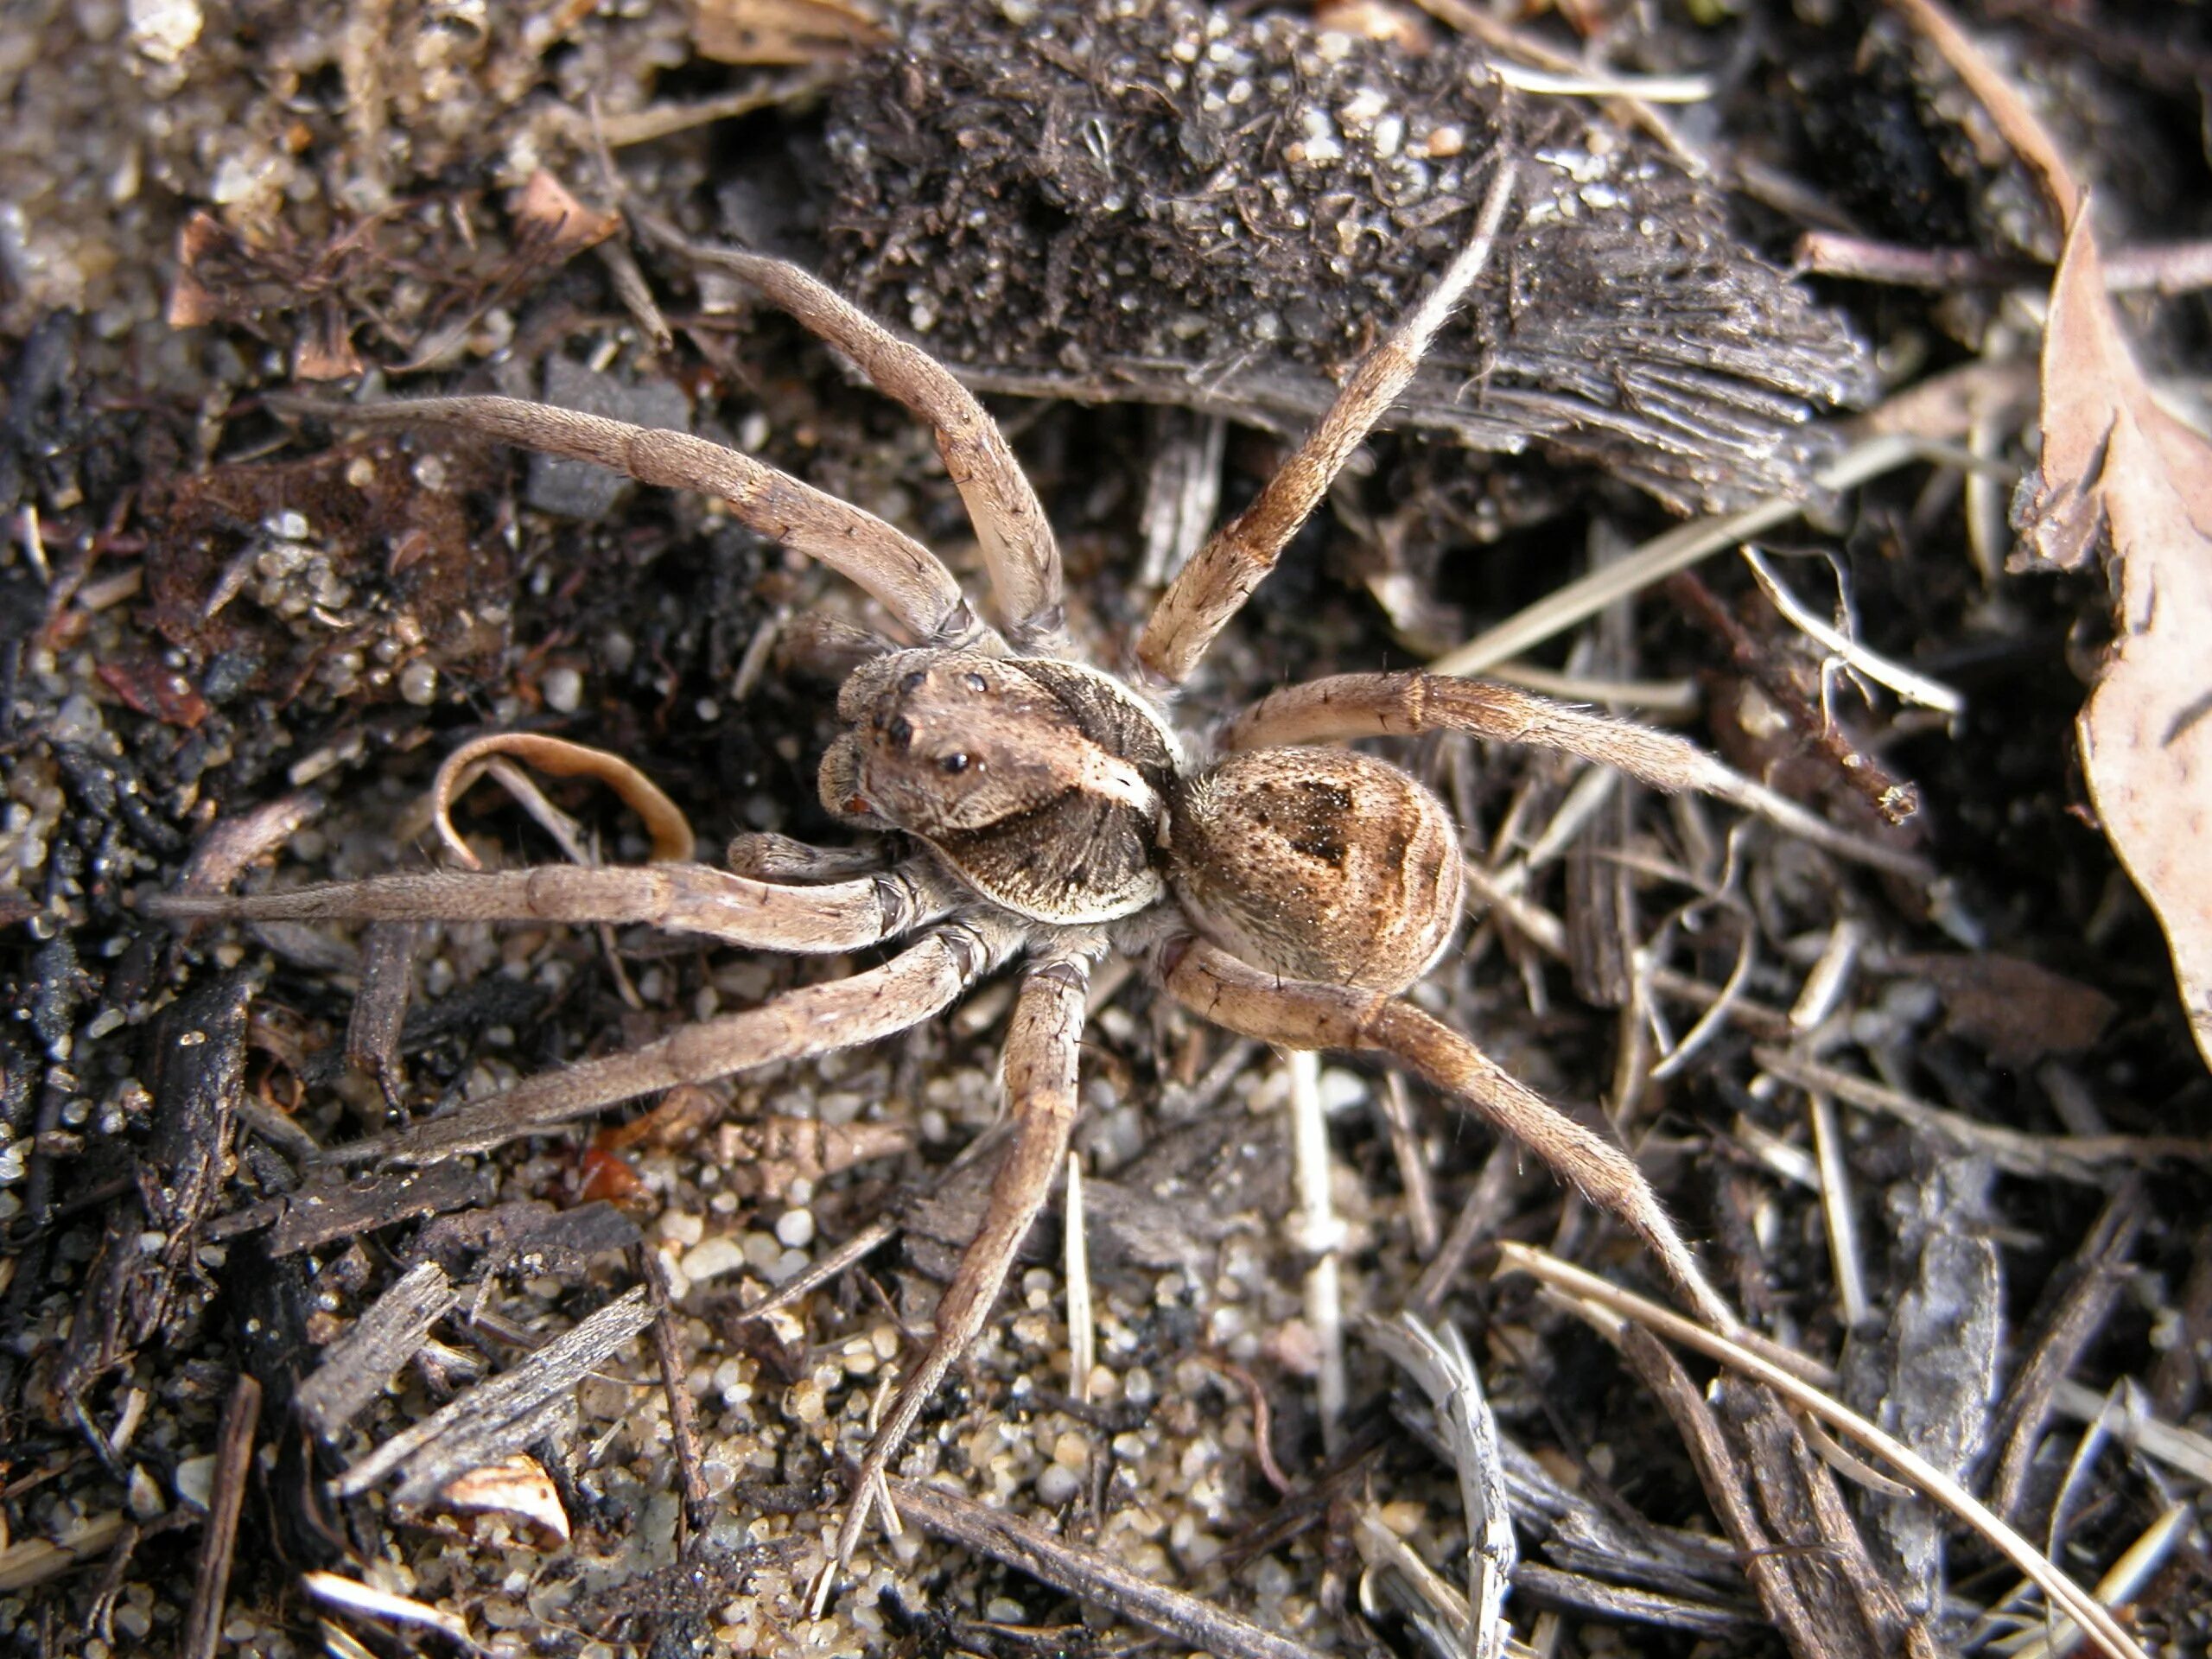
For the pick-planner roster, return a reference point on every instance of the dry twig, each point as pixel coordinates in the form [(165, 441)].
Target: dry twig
[(1090, 1574), (1609, 1309)]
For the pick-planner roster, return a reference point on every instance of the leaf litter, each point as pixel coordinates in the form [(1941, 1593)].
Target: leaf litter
[(2121, 480)]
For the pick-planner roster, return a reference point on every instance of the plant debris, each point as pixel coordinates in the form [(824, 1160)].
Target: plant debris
[(1165, 204), (2118, 472)]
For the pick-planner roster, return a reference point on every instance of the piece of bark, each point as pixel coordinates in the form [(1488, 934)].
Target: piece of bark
[(2083, 1294), (379, 1013), (1930, 1376), (195, 1073), (1049, 214), (357, 1366), (326, 1210), (1850, 1611), (1725, 1486), (500, 1416), (1581, 1537), (1089, 1574), (1571, 1592), (203, 1620), (528, 1235)]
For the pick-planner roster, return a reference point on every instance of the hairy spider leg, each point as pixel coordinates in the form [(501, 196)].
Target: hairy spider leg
[(812, 1020), (1043, 1040), (687, 897), (1213, 586), (1018, 551), (918, 984), (1301, 1015), (1406, 704), (902, 576)]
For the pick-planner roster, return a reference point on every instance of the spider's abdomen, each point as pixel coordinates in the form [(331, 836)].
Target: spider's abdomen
[(1320, 864)]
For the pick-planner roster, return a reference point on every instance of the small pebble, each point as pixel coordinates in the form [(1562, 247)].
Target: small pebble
[(146, 1500), (563, 688), (195, 1479), (1057, 1485), (418, 682), (1340, 1089), (796, 1228), (804, 1401), (712, 1258)]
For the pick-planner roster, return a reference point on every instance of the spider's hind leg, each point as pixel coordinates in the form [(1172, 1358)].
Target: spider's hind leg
[(1407, 703), (1041, 1046), (1302, 1014)]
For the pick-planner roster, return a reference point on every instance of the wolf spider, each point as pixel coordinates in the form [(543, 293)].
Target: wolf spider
[(1050, 810)]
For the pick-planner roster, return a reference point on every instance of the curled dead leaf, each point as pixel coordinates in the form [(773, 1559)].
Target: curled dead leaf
[(516, 1487), (2119, 475), (673, 841)]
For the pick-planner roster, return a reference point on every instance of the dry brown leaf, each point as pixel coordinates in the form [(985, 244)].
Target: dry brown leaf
[(324, 349), (2120, 475), (191, 302), (554, 223), (2118, 472), (2014, 1011), (518, 1488)]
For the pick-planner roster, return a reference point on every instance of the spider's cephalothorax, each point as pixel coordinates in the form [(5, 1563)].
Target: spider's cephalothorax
[(1286, 890), (1042, 784)]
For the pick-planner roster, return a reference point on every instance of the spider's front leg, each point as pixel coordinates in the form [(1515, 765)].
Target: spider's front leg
[(1042, 1043), (1236, 558), (1302, 1014), (905, 578), (1406, 704), (832, 916), (1018, 551)]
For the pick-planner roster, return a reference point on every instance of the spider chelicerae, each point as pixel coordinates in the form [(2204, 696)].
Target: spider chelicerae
[(1048, 811)]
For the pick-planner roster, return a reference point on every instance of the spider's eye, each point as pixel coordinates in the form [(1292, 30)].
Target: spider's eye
[(975, 682), (915, 680), (900, 731), (955, 762)]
